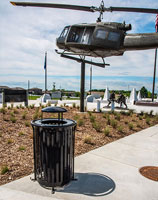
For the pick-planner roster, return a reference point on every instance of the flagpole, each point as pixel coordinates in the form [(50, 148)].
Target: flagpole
[(156, 26), (45, 67)]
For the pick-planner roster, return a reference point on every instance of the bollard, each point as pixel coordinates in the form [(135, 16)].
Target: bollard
[(98, 105), (112, 105)]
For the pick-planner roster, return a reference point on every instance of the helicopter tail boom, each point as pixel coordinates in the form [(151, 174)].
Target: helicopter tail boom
[(141, 41)]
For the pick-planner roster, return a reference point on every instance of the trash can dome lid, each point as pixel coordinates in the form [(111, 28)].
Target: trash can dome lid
[(54, 109)]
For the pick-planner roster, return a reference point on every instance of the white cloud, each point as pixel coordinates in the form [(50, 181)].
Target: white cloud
[(26, 33)]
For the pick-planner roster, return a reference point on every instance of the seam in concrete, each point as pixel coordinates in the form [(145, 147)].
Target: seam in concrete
[(145, 148), (114, 160)]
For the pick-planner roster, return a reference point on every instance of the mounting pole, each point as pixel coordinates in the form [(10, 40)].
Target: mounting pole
[(154, 75), (156, 26), (82, 88), (90, 79), (83, 62)]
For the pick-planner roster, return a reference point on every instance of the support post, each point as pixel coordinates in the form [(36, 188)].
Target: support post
[(82, 88), (3, 98), (90, 80), (154, 75)]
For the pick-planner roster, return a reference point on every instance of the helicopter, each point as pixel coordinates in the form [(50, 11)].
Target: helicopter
[(100, 39)]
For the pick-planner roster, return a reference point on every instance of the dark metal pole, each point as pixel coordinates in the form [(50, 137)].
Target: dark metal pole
[(156, 27), (154, 75), (45, 66), (82, 88), (90, 79)]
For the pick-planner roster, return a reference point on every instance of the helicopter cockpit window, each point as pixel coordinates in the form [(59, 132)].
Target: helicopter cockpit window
[(114, 36), (101, 34), (64, 32), (75, 35)]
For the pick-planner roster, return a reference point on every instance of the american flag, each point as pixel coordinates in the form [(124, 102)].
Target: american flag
[(156, 23)]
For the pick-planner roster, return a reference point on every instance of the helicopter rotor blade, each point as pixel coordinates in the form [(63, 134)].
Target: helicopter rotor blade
[(128, 9), (51, 5)]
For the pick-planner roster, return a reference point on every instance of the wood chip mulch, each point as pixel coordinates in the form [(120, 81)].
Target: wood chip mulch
[(16, 145)]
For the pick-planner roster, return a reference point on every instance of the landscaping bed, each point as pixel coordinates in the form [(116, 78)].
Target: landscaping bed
[(93, 130)]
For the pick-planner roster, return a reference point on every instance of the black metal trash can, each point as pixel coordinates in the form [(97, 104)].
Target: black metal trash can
[(53, 142)]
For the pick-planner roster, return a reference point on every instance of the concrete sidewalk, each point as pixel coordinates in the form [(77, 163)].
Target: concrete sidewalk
[(110, 172)]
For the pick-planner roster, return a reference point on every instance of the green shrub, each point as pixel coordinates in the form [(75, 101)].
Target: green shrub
[(113, 123), (24, 115), (89, 113), (138, 125), (134, 120), (108, 120), (21, 133), (27, 124), (3, 110), (22, 148), (12, 119), (156, 118), (141, 113), (15, 111), (106, 131), (146, 115), (9, 107), (88, 140), (35, 116), (12, 114), (17, 107), (4, 105), (130, 125), (151, 113), (122, 112), (92, 118), (131, 111), (76, 117), (32, 106), (80, 122), (128, 113), (12, 105), (140, 117), (4, 169), (9, 141), (117, 117), (74, 105), (97, 126), (40, 115), (120, 129), (148, 120)]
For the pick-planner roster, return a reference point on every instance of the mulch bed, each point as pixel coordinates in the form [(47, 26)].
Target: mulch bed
[(93, 130)]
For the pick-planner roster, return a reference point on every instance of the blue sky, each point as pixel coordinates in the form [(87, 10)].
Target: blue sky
[(26, 33)]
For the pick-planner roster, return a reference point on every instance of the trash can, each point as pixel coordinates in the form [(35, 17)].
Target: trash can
[(53, 145)]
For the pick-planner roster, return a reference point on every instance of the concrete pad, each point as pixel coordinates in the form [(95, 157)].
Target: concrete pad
[(127, 154), (110, 172)]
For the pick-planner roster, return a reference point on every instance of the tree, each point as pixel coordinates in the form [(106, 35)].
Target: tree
[(144, 92)]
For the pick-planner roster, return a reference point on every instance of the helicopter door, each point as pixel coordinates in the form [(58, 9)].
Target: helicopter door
[(87, 34)]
